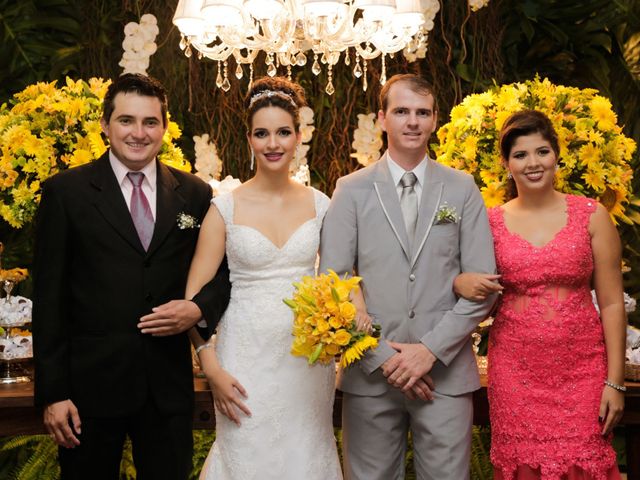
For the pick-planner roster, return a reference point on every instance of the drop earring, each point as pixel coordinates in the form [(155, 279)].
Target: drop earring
[(252, 159), (509, 176)]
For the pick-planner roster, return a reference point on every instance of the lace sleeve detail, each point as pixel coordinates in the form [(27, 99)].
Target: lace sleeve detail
[(581, 209), (494, 215), (322, 204), (224, 204)]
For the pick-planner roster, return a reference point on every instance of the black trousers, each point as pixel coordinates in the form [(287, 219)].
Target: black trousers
[(162, 447)]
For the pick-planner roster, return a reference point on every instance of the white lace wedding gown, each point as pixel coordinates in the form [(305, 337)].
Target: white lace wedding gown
[(290, 432)]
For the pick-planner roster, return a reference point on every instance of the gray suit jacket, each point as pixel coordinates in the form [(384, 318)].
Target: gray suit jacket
[(408, 290)]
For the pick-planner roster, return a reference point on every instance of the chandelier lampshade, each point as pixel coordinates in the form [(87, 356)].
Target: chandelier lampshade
[(290, 32)]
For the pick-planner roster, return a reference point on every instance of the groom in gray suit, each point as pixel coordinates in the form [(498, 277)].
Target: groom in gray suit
[(408, 225)]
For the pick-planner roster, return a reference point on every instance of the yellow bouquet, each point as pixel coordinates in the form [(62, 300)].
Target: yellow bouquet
[(324, 320)]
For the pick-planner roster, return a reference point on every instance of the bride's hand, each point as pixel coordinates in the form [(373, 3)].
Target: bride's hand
[(476, 286), (226, 391), (363, 322)]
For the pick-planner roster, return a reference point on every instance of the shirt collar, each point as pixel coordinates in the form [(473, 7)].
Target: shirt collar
[(397, 171), (149, 170)]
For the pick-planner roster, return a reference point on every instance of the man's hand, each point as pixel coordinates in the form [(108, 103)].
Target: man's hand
[(56, 420), (174, 317), (412, 363), (422, 389)]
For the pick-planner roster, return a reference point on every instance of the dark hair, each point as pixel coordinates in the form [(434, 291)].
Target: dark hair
[(278, 92), (416, 83), (140, 84), (520, 124)]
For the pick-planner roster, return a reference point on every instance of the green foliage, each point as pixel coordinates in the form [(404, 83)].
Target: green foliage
[(481, 468), (29, 458), (39, 42)]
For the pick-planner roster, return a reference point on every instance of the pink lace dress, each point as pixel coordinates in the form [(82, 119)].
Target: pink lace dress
[(547, 359)]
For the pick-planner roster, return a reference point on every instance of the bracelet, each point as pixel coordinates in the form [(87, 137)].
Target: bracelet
[(203, 346), (615, 386)]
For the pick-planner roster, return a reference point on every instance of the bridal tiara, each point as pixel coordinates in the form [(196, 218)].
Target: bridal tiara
[(272, 93)]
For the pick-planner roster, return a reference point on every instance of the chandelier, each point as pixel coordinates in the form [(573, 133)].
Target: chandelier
[(294, 32)]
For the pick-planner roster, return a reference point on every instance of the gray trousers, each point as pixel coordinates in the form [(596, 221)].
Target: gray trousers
[(375, 436)]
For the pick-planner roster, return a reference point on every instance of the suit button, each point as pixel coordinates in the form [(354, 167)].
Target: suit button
[(412, 277), (146, 264), (412, 314), (148, 297)]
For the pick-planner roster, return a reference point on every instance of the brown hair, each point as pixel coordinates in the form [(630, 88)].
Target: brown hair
[(138, 83), (416, 83), (275, 92), (520, 124)]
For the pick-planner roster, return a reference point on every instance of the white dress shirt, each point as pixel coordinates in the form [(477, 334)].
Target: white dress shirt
[(397, 171), (148, 184)]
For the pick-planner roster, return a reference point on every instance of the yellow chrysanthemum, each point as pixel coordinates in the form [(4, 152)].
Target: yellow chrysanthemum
[(602, 113), (45, 129), (594, 153), (493, 194)]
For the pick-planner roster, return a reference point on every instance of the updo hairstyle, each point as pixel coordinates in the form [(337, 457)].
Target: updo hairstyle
[(275, 92)]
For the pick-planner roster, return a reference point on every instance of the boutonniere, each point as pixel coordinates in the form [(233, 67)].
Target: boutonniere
[(446, 214), (186, 221)]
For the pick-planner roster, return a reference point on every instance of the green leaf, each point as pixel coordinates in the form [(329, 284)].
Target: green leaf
[(334, 294), (316, 353), (290, 303)]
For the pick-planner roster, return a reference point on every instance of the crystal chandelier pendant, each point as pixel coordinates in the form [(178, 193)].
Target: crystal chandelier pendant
[(226, 85), (187, 52), (383, 75), (239, 72), (272, 70), (301, 59), (183, 43), (330, 89), (347, 60), (365, 85), (316, 66), (219, 76), (357, 70)]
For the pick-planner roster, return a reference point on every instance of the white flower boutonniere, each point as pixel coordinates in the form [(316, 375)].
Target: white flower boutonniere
[(446, 214), (186, 221)]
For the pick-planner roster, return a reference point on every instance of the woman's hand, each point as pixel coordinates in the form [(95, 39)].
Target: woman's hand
[(611, 408), (364, 322), (227, 391), (476, 286)]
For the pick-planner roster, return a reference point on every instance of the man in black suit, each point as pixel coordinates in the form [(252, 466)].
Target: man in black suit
[(110, 245)]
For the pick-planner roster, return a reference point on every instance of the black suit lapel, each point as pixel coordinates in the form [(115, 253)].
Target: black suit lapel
[(169, 203), (111, 203)]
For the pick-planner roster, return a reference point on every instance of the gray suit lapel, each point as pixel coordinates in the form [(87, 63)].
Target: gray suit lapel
[(431, 196), (390, 203)]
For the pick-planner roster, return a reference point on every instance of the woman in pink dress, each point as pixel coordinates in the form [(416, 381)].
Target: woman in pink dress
[(556, 368)]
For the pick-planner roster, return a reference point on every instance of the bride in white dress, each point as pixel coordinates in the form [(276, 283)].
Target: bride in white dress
[(273, 410)]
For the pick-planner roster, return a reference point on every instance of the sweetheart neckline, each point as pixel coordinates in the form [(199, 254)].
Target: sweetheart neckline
[(550, 241), (297, 229)]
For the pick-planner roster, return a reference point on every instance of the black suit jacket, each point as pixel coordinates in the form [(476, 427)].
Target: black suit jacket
[(93, 281)]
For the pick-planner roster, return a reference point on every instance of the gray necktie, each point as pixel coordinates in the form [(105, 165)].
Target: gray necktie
[(140, 209), (409, 202)]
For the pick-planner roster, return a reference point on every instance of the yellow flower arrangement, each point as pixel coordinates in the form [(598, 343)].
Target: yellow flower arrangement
[(45, 129), (15, 275), (594, 153), (324, 320)]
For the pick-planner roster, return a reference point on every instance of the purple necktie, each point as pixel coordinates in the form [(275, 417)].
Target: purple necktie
[(140, 209)]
